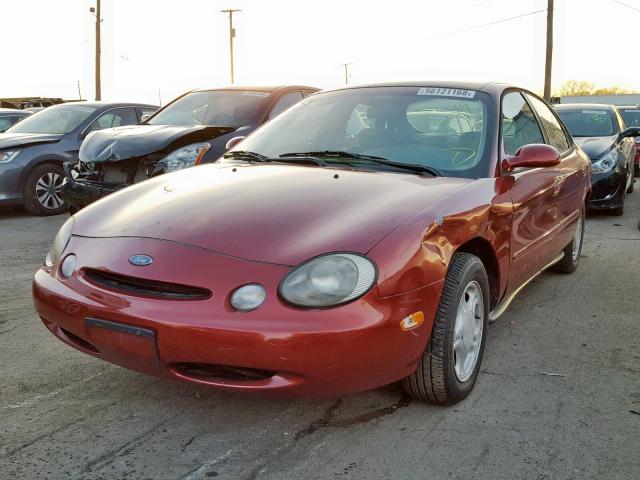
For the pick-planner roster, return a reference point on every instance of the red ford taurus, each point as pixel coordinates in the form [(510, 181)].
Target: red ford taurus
[(366, 235)]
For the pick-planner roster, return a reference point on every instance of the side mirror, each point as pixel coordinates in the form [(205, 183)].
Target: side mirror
[(233, 142), (630, 132), (532, 156)]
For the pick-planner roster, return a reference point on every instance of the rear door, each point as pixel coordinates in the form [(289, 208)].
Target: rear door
[(534, 193)]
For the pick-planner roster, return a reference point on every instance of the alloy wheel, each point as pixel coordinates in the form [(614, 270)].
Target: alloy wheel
[(577, 241), (48, 188), (468, 331)]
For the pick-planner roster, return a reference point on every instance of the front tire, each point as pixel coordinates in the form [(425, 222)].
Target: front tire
[(449, 366), (42, 190), (571, 259)]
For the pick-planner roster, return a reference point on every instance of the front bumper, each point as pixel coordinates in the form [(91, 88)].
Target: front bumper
[(326, 352), (80, 193), (608, 190), (10, 184)]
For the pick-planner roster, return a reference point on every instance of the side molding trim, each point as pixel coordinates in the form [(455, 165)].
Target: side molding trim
[(504, 304)]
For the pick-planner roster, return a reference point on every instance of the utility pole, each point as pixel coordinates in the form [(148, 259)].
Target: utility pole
[(96, 11), (549, 55), (79, 93), (232, 34), (346, 72)]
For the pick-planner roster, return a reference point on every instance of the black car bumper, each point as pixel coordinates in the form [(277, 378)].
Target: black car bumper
[(79, 193), (608, 191)]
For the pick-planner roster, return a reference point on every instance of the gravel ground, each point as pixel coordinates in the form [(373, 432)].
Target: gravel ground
[(65, 415)]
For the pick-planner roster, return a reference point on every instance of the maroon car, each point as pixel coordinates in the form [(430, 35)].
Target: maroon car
[(366, 235)]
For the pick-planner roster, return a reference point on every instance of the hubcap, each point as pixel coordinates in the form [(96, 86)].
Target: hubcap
[(48, 189), (467, 336), (577, 240)]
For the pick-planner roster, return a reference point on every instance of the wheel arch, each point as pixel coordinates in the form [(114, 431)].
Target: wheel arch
[(482, 248), (49, 159)]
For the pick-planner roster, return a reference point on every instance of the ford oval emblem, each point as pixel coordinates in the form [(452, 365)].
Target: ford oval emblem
[(140, 260)]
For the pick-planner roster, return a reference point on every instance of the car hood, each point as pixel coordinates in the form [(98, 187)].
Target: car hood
[(11, 140), (595, 147), (282, 214), (121, 143)]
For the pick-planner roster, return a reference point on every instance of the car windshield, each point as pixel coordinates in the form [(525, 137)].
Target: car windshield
[(440, 128), (631, 117), (588, 122), (222, 108), (59, 119)]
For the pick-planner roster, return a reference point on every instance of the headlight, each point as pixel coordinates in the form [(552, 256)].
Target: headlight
[(60, 242), (606, 163), (328, 280), (185, 157), (7, 156)]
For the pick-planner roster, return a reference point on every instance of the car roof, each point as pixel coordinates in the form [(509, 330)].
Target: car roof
[(494, 88), (99, 104), (582, 106), (253, 88), (14, 111)]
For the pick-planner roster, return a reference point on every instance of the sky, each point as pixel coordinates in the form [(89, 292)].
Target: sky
[(154, 50)]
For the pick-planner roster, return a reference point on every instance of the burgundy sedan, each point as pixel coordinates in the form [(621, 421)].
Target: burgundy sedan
[(365, 236)]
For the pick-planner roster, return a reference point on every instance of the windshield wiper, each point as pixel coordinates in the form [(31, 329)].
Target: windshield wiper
[(246, 155), (413, 167), (258, 157)]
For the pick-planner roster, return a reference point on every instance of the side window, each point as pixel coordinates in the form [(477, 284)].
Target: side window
[(519, 124), (146, 113), (285, 102), (115, 118), (550, 124), (5, 122)]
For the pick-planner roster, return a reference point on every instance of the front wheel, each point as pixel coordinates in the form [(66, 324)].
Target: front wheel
[(449, 366), (42, 190)]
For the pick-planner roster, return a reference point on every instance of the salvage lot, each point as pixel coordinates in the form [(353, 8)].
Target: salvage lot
[(66, 415)]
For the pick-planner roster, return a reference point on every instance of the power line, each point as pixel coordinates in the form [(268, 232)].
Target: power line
[(482, 25), (625, 5)]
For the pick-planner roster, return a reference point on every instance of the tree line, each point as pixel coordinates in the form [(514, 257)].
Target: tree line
[(582, 87)]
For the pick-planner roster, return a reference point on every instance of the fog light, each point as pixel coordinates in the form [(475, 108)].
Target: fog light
[(248, 297), (68, 266)]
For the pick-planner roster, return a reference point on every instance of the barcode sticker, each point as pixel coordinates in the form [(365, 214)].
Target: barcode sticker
[(446, 92)]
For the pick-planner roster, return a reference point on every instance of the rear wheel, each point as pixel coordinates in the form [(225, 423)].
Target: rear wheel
[(449, 366), (571, 259), (42, 190)]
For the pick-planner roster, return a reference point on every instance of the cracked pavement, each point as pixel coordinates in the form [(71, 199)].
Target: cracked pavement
[(65, 415)]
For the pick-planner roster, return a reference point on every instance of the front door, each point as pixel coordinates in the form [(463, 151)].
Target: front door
[(534, 194)]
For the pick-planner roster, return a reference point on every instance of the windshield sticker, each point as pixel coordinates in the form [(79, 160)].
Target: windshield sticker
[(256, 94), (446, 92), (594, 112)]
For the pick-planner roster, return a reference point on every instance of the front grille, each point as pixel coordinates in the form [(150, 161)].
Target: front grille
[(146, 288), (211, 372)]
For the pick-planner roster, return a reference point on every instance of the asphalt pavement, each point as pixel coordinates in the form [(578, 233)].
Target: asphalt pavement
[(558, 396)]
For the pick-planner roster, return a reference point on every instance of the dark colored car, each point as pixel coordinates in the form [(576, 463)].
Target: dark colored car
[(631, 116), (10, 116), (342, 246), (601, 132), (191, 130), (32, 152)]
